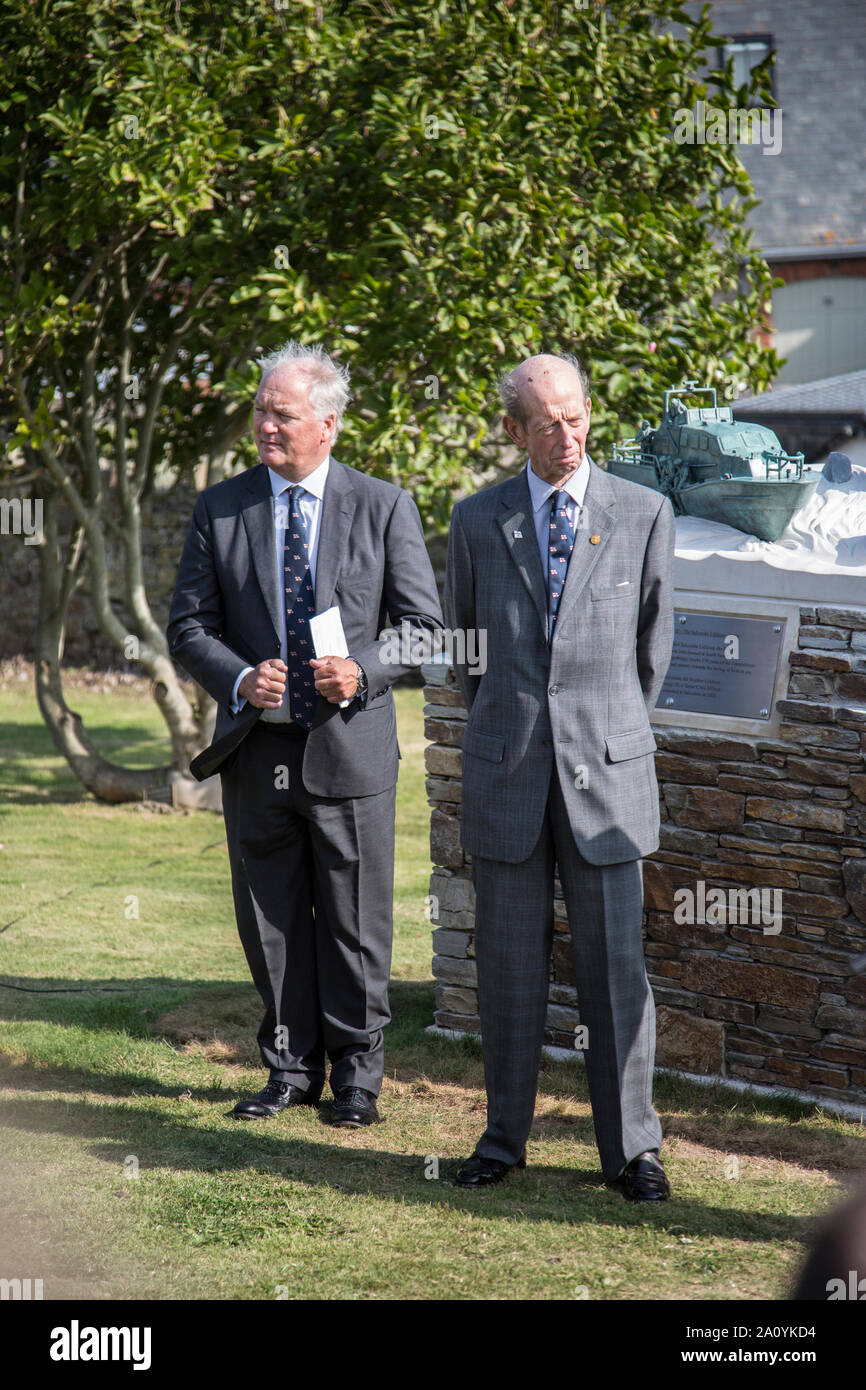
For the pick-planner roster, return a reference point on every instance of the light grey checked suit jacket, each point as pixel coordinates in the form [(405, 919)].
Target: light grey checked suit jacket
[(225, 614), (585, 699)]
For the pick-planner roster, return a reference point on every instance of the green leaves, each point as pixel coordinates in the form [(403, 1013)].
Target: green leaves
[(431, 193)]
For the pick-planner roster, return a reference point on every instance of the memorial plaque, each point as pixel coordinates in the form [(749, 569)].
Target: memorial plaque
[(723, 665)]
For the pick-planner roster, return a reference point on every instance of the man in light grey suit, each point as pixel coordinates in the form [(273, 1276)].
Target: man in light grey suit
[(306, 749), (569, 570)]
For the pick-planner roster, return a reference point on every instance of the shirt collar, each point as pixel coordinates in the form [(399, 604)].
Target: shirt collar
[(540, 491), (314, 482)]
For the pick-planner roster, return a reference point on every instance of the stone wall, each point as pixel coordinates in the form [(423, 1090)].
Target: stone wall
[(165, 521), (779, 1006)]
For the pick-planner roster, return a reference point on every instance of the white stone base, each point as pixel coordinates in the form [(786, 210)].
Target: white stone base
[(821, 557)]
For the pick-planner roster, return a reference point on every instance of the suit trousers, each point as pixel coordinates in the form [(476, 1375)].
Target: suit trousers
[(313, 885), (513, 941)]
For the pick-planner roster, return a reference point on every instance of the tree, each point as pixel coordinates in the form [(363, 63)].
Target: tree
[(433, 193), (531, 196), (136, 219)]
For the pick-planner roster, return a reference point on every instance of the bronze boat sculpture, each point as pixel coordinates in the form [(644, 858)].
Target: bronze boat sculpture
[(713, 466)]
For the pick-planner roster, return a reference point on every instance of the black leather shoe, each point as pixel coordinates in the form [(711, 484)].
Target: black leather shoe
[(276, 1096), (354, 1107), (644, 1180), (479, 1171)]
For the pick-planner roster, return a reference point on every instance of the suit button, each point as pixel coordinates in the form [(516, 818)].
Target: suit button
[(553, 689)]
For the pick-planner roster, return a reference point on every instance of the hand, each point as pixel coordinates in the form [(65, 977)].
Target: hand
[(336, 678), (264, 687)]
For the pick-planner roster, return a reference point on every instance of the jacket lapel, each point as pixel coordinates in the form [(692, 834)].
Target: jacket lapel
[(338, 510), (258, 515), (518, 528), (595, 526)]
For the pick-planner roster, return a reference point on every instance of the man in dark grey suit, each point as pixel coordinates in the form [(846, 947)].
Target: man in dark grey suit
[(569, 570), (306, 749)]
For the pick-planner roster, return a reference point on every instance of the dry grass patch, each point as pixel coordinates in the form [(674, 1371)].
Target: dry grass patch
[(813, 1142), (219, 1025)]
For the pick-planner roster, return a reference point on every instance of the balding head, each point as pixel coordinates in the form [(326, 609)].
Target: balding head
[(547, 410), (518, 387)]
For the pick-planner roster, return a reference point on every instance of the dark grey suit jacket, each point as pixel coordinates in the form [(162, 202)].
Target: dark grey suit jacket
[(585, 699), (225, 614)]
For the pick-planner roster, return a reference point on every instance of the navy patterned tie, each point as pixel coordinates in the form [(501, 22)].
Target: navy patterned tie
[(300, 608), (559, 553)]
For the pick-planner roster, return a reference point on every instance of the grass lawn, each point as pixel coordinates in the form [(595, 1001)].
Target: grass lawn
[(130, 1037)]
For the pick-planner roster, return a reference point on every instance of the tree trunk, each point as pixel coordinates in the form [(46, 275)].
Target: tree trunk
[(143, 641), (57, 582)]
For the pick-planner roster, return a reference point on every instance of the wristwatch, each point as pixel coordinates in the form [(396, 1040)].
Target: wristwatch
[(362, 681)]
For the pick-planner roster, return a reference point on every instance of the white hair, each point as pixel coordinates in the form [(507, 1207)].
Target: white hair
[(328, 389)]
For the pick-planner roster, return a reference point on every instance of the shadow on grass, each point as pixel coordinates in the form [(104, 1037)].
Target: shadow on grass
[(565, 1196), (215, 1023), (211, 1022), (108, 1005), (33, 773), (55, 794)]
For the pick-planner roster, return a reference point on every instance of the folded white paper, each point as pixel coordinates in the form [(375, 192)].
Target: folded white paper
[(329, 639)]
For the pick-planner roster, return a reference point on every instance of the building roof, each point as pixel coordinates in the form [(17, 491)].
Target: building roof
[(836, 395)]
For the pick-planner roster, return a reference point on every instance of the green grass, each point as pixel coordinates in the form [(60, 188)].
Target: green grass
[(131, 1036)]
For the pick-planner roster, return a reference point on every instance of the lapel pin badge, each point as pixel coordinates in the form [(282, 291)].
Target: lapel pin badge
[(518, 535), (594, 540)]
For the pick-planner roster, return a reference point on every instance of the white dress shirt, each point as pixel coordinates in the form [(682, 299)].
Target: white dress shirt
[(310, 505), (541, 494)]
